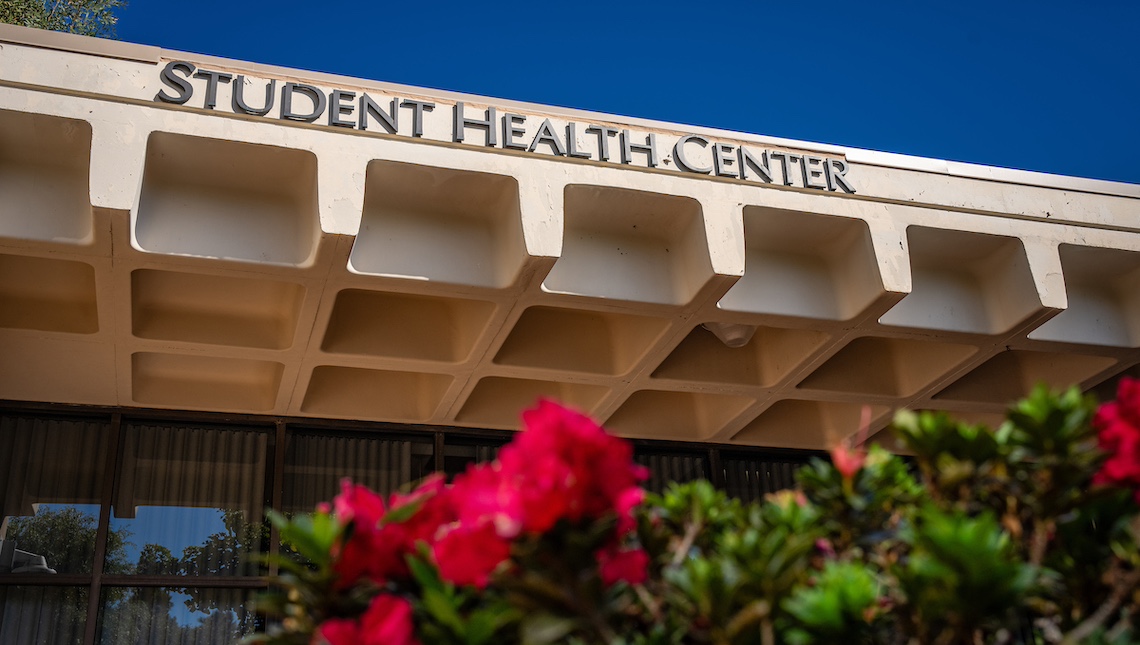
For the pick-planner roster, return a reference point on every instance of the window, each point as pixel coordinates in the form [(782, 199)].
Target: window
[(316, 462), (750, 477), (124, 530), (666, 466)]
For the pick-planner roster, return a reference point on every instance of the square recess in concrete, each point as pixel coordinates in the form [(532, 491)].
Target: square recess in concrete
[(374, 394), (792, 423), (769, 357), (678, 416), (496, 401), (45, 192), (965, 282), (1103, 287), (47, 295), (631, 245), (575, 340), (806, 265), (1011, 375), (223, 199), (210, 382), (218, 310), (427, 328), (57, 369), (440, 225), (886, 366)]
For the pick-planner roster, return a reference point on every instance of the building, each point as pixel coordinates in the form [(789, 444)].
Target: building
[(225, 285)]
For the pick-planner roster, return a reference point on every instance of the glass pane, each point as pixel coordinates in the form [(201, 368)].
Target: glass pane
[(315, 464), (752, 479), (460, 453), (42, 615), (189, 501), (186, 616), (666, 467), (51, 475)]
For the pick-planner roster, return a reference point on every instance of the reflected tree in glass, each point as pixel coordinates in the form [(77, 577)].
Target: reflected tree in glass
[(51, 473), (170, 615), (227, 552), (193, 498), (65, 537)]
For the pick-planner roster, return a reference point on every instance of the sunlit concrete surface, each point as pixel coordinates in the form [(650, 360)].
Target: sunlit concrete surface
[(205, 257)]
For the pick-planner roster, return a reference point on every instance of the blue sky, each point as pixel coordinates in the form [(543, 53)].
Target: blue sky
[(1049, 86)]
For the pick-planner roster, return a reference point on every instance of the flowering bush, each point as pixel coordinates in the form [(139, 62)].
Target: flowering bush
[(1118, 428), (983, 532)]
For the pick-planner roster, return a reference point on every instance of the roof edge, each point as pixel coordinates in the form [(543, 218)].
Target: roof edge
[(106, 47), (149, 54)]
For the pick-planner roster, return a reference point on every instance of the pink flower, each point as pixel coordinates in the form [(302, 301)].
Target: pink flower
[(435, 512), (848, 461), (365, 553), (626, 565), (469, 555), (1118, 433), (485, 495), (567, 467), (562, 466), (338, 631), (358, 504), (376, 548), (387, 621), (627, 501), (823, 545)]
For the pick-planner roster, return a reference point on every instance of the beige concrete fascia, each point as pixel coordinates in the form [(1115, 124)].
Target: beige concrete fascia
[(1048, 274), (340, 189), (149, 54), (176, 257), (118, 154), (76, 43), (542, 199), (724, 231), (992, 173), (69, 43), (893, 256)]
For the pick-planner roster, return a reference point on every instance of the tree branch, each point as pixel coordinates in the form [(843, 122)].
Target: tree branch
[(1119, 592), (686, 543)]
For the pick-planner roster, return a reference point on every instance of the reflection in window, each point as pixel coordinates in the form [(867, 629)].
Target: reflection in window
[(42, 615), (190, 501), (51, 473), (315, 465), (187, 616)]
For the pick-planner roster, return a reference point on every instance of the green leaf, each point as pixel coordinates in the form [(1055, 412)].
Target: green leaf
[(483, 624), (313, 536), (426, 574), (442, 607), (543, 628), (401, 514), (838, 602)]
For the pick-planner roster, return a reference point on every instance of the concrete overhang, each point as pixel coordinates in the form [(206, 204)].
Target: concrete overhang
[(179, 255)]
